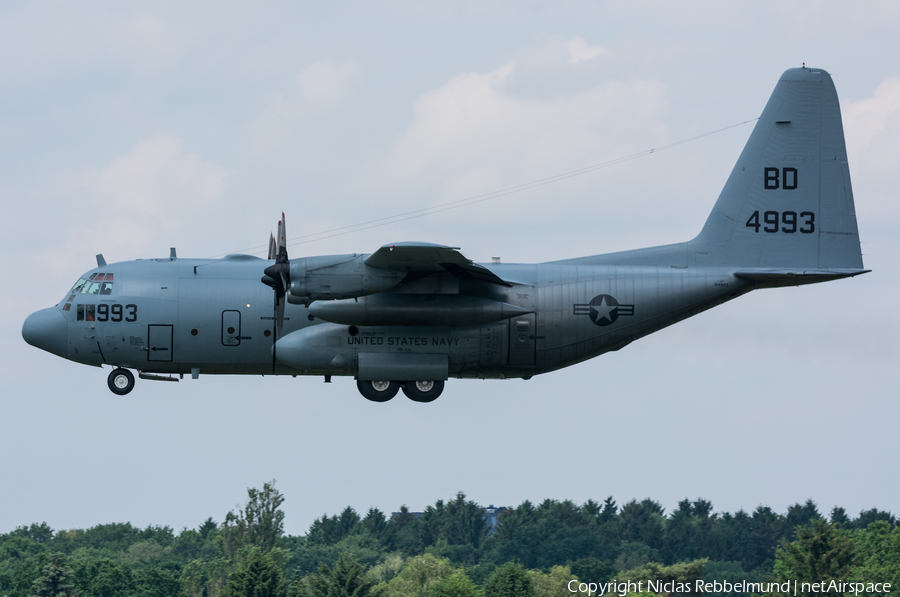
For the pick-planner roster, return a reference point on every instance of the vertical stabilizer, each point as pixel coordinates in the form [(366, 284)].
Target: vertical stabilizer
[(788, 203)]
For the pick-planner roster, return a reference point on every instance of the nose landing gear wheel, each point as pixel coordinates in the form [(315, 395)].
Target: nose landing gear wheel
[(423, 391), (120, 381), (378, 391)]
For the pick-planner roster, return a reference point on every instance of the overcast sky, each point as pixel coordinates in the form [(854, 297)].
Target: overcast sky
[(129, 128)]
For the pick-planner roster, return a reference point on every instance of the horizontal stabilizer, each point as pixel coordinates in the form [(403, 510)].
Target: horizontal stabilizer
[(790, 277)]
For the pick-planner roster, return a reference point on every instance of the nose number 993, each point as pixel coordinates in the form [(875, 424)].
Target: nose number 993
[(115, 312)]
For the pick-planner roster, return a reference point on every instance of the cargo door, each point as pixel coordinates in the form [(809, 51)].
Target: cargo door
[(159, 343), (522, 341), (231, 328)]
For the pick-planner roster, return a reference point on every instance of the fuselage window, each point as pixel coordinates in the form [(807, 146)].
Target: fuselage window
[(85, 312)]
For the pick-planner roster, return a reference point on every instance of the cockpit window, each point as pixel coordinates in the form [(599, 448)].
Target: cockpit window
[(101, 283)]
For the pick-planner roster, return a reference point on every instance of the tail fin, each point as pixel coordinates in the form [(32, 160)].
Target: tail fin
[(788, 204)]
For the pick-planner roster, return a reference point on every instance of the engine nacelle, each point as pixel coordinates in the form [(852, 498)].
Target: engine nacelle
[(337, 277)]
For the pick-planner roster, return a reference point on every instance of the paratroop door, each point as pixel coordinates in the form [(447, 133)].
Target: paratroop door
[(231, 328), (159, 343), (521, 340)]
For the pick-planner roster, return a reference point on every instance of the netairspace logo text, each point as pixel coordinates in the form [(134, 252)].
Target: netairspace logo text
[(622, 588)]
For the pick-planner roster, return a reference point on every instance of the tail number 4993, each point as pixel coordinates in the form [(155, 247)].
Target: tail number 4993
[(786, 221)]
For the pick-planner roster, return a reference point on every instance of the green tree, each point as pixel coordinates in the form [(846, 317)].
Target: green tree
[(867, 517), (686, 572), (455, 585), (346, 579), (377, 524), (260, 523), (459, 522), (56, 580), (510, 580), (417, 577), (839, 518), (553, 533), (688, 532), (153, 582), (878, 548), (257, 575), (592, 570), (39, 533), (820, 553), (193, 579), (217, 572), (643, 521), (553, 584), (330, 530), (208, 526), (767, 528), (404, 534), (802, 515), (104, 578), (634, 554), (389, 567)]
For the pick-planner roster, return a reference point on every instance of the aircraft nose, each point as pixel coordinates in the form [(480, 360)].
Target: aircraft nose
[(47, 330)]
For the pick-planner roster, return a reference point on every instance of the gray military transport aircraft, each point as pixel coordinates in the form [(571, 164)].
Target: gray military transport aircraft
[(411, 315)]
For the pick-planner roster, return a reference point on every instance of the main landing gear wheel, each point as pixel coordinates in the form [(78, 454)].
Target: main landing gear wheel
[(378, 391), (423, 391), (121, 381)]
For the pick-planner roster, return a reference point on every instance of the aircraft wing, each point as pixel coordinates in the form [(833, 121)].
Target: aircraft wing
[(426, 258)]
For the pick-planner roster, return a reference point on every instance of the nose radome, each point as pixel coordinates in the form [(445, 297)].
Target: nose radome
[(46, 329)]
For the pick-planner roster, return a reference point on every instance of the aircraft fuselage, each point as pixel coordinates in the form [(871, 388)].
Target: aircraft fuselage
[(175, 316)]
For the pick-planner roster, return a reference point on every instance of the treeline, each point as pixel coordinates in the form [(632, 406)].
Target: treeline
[(446, 551)]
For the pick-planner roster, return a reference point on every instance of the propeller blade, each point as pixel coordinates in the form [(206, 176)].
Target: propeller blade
[(279, 317), (281, 247), (278, 277)]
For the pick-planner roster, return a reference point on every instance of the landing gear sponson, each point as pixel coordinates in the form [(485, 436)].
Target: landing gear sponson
[(121, 382)]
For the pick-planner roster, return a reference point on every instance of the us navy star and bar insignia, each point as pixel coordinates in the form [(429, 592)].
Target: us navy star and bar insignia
[(603, 309)]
